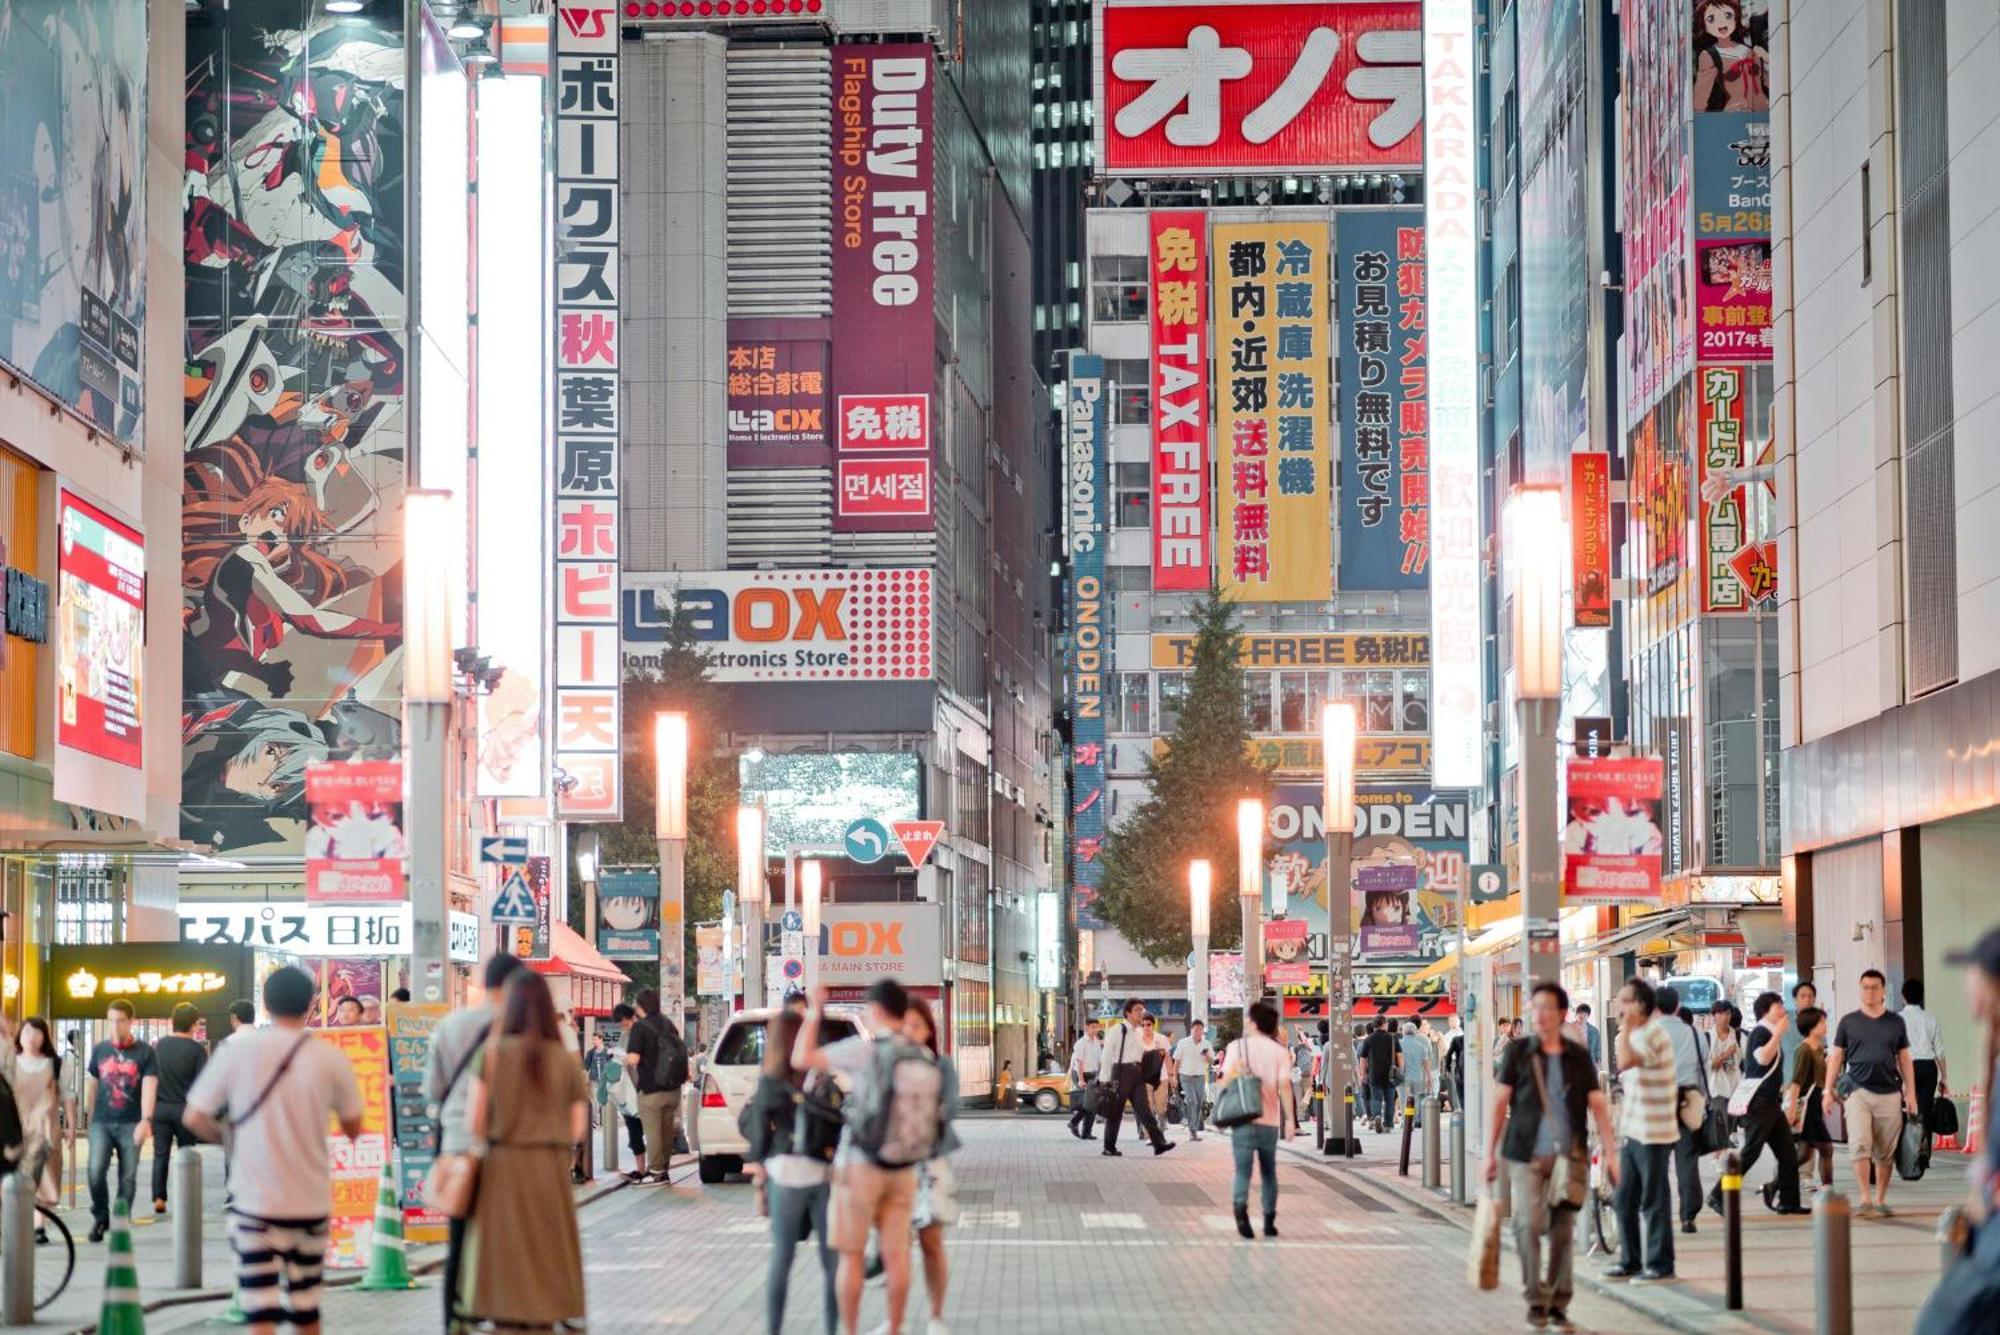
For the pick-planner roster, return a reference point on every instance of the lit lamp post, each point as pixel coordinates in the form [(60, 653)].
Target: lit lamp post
[(751, 892), (809, 898), (1250, 891), (427, 697), (1337, 811), (1201, 878), (587, 849), (670, 756), (1536, 547)]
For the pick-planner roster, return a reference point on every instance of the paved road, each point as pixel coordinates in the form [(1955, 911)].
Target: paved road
[(1054, 1237)]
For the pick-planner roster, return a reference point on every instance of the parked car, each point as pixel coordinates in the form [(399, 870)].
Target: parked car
[(1045, 1093), (730, 1079)]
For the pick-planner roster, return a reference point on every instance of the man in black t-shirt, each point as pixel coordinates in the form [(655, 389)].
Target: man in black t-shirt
[(1378, 1052), (659, 1104), (1764, 1122), (121, 1113), (178, 1059), (1873, 1046)]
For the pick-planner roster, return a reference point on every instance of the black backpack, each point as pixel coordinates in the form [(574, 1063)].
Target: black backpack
[(817, 1118), (11, 1134), (670, 1061)]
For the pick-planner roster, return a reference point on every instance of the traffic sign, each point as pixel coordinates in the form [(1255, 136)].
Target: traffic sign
[(508, 851), (794, 969), (866, 840), (793, 921), (1489, 882), (515, 902), (918, 838)]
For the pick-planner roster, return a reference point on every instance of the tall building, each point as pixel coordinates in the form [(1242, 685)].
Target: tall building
[(1060, 134)]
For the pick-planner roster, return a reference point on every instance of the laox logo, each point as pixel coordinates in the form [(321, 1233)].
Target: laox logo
[(865, 938), (586, 21), (777, 420), (759, 614)]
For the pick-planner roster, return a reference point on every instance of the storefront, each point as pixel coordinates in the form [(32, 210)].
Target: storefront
[(351, 950), (153, 976)]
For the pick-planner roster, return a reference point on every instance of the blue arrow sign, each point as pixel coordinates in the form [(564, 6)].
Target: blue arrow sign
[(515, 903), (866, 840), (506, 851)]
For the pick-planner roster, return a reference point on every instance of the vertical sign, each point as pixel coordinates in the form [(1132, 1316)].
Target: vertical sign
[(884, 358), (587, 721), (1590, 536), (1738, 570), (1084, 467), (1178, 273), (1612, 839), (1385, 473), (411, 1026), (1274, 538), (357, 1163), (101, 623), (1451, 282)]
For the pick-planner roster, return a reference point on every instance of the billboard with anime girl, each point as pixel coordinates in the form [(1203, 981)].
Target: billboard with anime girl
[(294, 474)]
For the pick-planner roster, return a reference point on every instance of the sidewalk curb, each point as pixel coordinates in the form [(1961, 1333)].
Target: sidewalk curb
[(1674, 1307)]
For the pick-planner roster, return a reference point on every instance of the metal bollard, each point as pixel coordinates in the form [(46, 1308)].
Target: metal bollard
[(17, 1251), (1731, 1188), (1833, 1263), (1409, 1128), (1432, 1170), (1458, 1196), (613, 1123), (1954, 1234), (185, 1193)]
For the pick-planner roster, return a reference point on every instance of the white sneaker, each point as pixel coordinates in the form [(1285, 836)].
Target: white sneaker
[(937, 1327)]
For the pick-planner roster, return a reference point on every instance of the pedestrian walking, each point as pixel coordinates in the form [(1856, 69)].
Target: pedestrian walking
[(1725, 1049), (1084, 1061), (1157, 1067), (1302, 1068), (272, 1091), (1969, 1294), (37, 1079), (625, 1095), (1593, 1038), (179, 1060), (658, 1060), (1378, 1053), (1649, 1127), (792, 1135), (1124, 1058), (1804, 994), (1418, 1061), (1548, 1087), (1260, 1054), (448, 1090), (1192, 1058), (121, 1113), (1691, 1101), (1926, 1049), (875, 1167), (1454, 1060), (1802, 1101), (1764, 1120), (937, 1186), (1872, 1047), (528, 1106)]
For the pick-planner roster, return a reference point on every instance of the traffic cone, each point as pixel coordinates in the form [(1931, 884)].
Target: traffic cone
[(1974, 1139), (387, 1266), (120, 1313)]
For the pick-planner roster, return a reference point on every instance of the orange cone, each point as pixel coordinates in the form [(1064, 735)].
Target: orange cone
[(1974, 1139)]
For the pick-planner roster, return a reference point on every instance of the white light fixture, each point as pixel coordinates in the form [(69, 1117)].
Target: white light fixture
[(750, 884), (1250, 848), (428, 551), (809, 896), (1537, 543), (343, 6), (586, 856), (1201, 881), (1281, 896), (465, 30), (1337, 750), (670, 754)]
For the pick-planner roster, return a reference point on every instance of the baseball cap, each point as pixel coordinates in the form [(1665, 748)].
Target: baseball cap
[(1985, 953)]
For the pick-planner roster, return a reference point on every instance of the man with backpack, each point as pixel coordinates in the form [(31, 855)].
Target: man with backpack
[(894, 1116), (659, 1063)]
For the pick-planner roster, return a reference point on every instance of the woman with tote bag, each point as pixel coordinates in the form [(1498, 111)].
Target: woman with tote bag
[(1257, 1056)]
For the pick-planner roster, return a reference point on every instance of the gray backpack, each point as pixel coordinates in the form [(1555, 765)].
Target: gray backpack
[(895, 1112)]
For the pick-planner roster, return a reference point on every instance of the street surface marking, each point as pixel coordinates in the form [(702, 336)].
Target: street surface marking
[(986, 1217), (1111, 1219)]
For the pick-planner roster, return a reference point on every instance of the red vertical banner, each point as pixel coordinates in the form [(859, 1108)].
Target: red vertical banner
[(1177, 275), (1590, 536), (1739, 567)]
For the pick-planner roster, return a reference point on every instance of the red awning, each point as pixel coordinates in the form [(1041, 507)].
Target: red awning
[(572, 956)]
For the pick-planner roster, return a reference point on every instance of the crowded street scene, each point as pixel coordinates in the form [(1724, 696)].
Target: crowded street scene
[(883, 667)]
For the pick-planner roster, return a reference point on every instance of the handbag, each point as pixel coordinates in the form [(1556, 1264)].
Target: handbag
[(1482, 1262), (1241, 1101), (1944, 1117), (1835, 1119), (1713, 1135), (1569, 1174), (453, 1180), (1913, 1149), (1152, 1066)]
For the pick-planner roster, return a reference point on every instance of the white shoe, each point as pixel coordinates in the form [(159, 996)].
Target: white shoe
[(937, 1327)]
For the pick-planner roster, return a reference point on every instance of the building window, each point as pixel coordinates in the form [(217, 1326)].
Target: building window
[(1131, 397), (1294, 715), (1416, 714), (1173, 693), (1132, 496), (1257, 701), (1117, 288), (1134, 712)]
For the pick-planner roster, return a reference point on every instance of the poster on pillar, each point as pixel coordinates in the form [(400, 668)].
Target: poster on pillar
[(1612, 840), (628, 915), (1285, 959)]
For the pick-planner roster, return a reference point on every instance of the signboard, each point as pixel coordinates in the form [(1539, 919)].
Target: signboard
[(777, 387), (1285, 959), (866, 840), (155, 976), (505, 850), (1612, 839), (1177, 270), (1274, 462), (1385, 472), (101, 632), (786, 625), (1200, 89), (588, 733), (539, 887), (1086, 444), (628, 915), (357, 1163), (1329, 650), (354, 848), (462, 946), (883, 354), (410, 1026), (1373, 754), (1653, 175), (711, 967), (918, 838), (1225, 980), (859, 943), (1590, 536), (514, 906), (1733, 301), (312, 930), (1739, 567)]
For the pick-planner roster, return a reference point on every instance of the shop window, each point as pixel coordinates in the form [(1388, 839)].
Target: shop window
[(1293, 714), (1118, 288), (1257, 701)]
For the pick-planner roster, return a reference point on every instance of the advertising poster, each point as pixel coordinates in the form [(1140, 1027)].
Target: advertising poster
[(1653, 173), (1657, 493), (1612, 838), (1739, 562), (354, 849), (293, 475), (1733, 293), (777, 390), (628, 915), (1384, 402), (73, 205), (1225, 980), (1285, 960), (1177, 269), (1273, 539), (101, 632), (539, 885), (785, 625), (342, 977), (357, 1163), (1590, 536), (1732, 176), (711, 969), (1321, 86), (1085, 472), (410, 1027), (883, 355)]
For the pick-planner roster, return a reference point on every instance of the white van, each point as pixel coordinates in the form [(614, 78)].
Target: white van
[(730, 1078)]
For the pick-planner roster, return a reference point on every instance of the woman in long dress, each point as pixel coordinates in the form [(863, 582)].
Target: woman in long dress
[(527, 1106), (37, 1081)]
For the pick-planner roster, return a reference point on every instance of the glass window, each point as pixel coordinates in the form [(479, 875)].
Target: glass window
[(1378, 702), (1416, 702), (1131, 401), (1257, 701), (1134, 712), (1292, 715), (1173, 691), (1117, 287), (1129, 579), (1132, 495)]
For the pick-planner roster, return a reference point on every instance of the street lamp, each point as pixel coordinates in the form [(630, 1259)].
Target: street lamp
[(1537, 544), (670, 762), (1250, 892), (1337, 815), (1201, 880), (428, 554), (751, 892), (587, 851), (809, 897)]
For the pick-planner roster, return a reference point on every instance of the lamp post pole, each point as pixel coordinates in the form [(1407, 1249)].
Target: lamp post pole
[(1536, 545), (587, 849), (1201, 878), (1337, 812), (751, 891), (427, 698), (810, 894), (670, 755), (1250, 891)]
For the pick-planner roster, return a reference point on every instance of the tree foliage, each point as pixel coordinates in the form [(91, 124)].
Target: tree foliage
[(1190, 806)]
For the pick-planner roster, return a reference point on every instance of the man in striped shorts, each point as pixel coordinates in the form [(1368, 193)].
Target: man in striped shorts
[(273, 1089)]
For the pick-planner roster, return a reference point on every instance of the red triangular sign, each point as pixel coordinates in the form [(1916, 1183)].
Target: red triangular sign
[(919, 837)]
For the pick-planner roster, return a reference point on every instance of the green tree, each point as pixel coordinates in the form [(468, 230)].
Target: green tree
[(1190, 806), (683, 684)]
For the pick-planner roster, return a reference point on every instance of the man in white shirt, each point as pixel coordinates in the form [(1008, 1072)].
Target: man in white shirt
[(1084, 1061), (1926, 1048), (1124, 1063), (274, 1090), (1649, 1126), (1192, 1056)]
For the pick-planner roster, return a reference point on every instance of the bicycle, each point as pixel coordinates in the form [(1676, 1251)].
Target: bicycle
[(55, 1256)]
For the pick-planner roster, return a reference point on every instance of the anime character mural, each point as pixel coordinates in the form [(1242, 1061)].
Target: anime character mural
[(72, 203), (295, 397), (1730, 63)]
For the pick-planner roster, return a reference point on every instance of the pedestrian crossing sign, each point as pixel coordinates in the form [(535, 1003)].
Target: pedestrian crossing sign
[(515, 902)]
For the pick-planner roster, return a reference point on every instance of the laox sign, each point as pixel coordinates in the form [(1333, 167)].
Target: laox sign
[(864, 938), (764, 614)]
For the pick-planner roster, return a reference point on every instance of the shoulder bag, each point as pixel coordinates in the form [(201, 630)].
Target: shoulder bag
[(1569, 1175), (453, 1182), (1739, 1102), (1242, 1099)]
